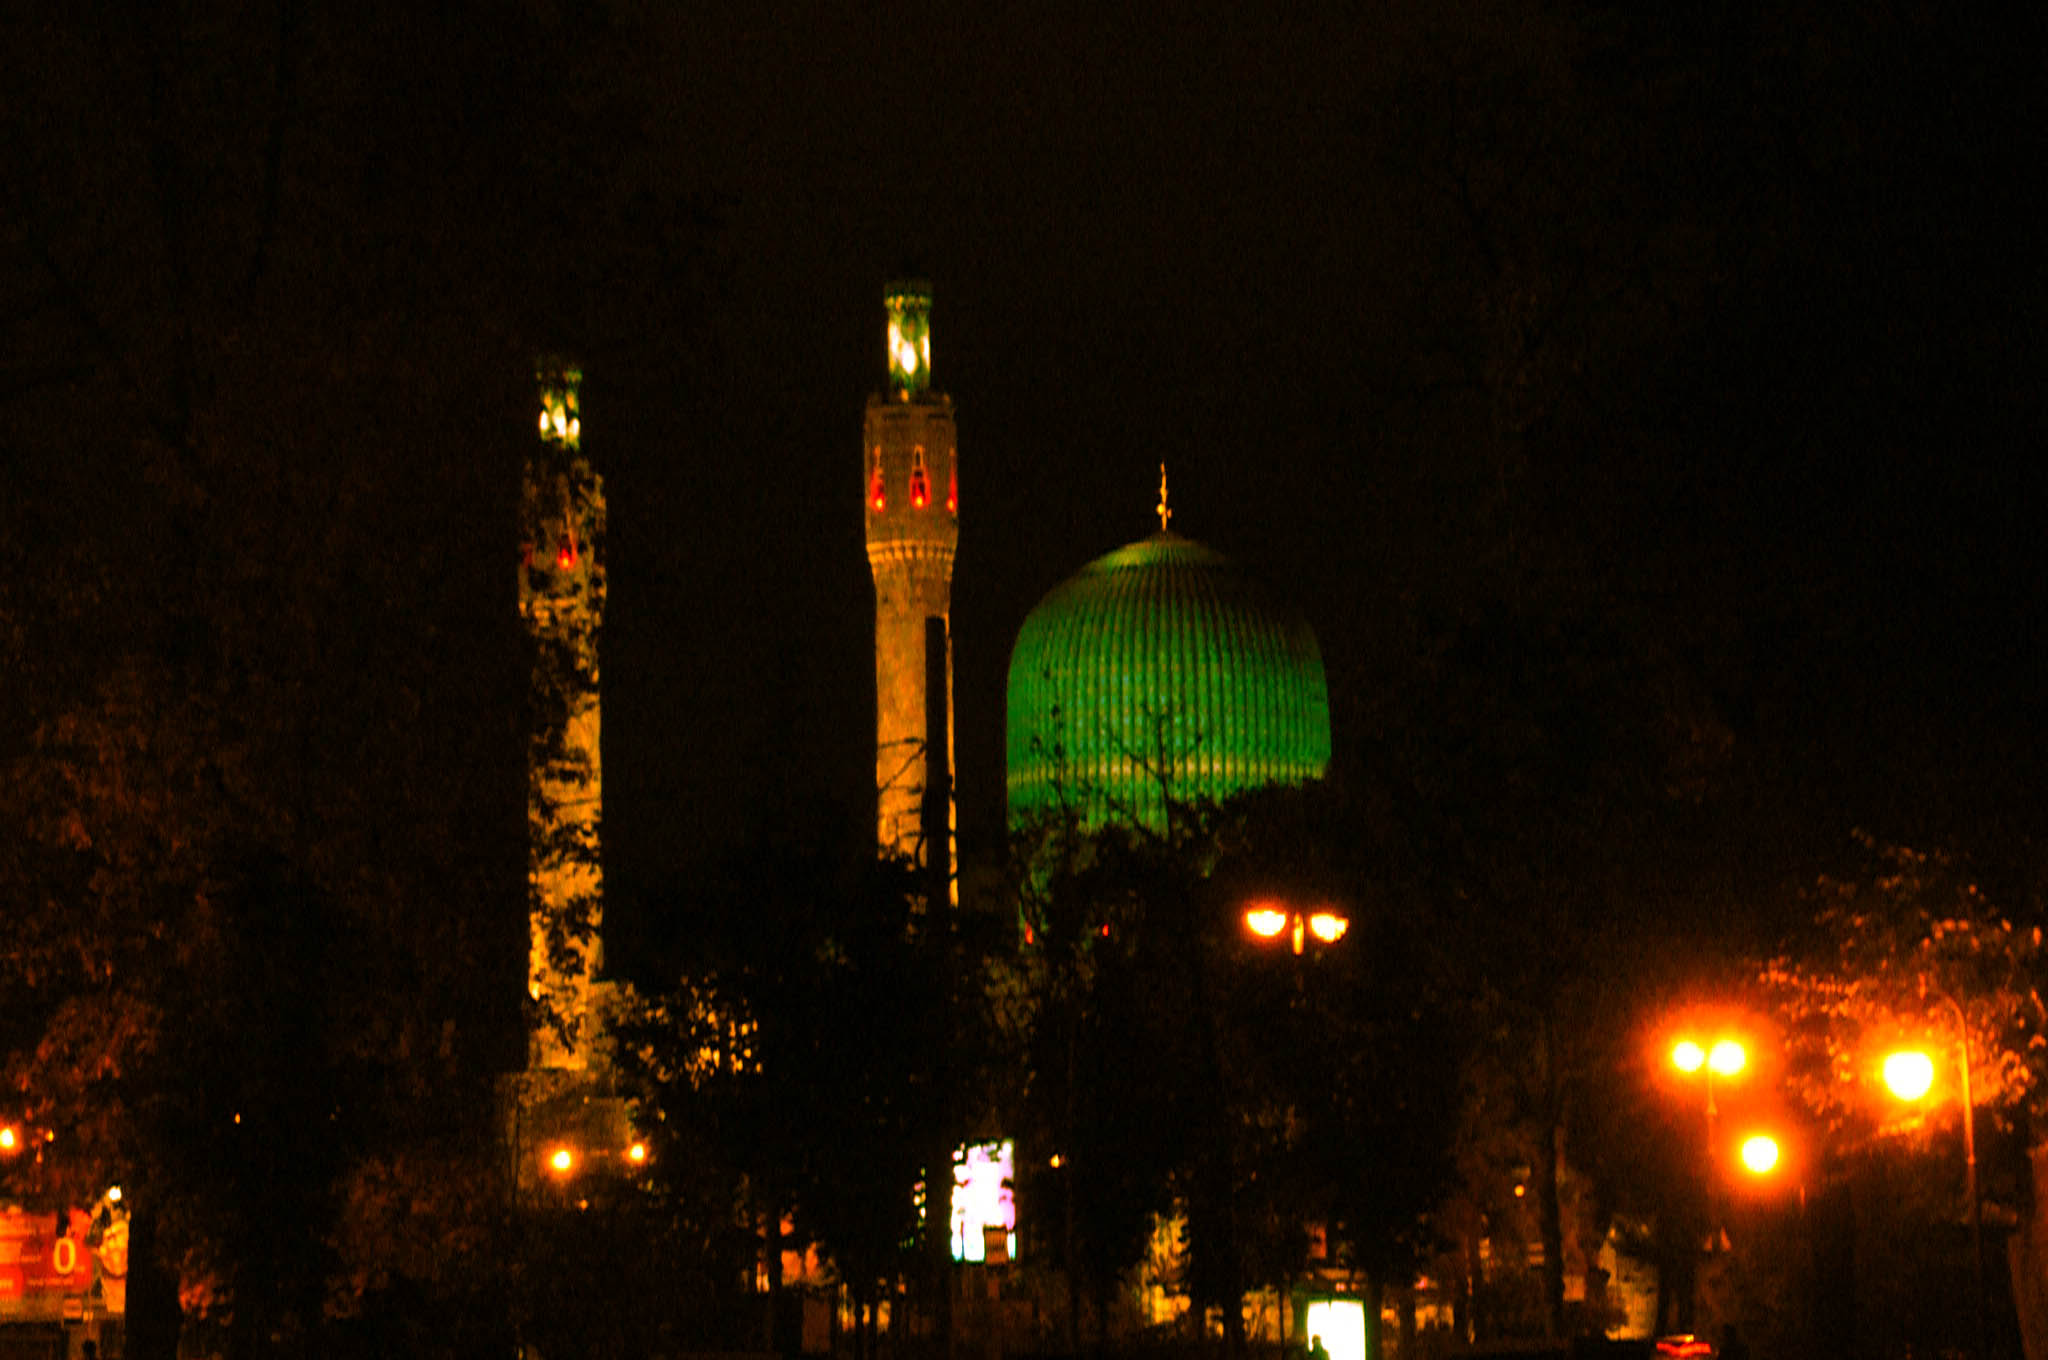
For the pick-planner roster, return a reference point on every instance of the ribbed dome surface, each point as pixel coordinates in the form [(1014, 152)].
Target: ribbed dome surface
[(1162, 655)]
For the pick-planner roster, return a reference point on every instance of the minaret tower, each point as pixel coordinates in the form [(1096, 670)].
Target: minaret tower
[(913, 524), (561, 599)]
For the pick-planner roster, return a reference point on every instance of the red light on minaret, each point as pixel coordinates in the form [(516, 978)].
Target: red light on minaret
[(953, 493), (920, 493), (565, 554), (875, 496)]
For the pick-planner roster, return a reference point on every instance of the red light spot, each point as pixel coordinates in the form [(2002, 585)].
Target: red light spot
[(565, 554), (1105, 930), (875, 496), (920, 493), (953, 493)]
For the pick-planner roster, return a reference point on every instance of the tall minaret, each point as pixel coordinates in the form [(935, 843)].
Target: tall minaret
[(561, 599), (913, 523)]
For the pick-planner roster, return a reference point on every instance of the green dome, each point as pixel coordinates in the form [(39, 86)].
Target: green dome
[(1161, 655)]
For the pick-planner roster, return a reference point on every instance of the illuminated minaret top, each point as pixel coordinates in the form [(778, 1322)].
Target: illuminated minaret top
[(910, 336), (911, 491), (561, 600)]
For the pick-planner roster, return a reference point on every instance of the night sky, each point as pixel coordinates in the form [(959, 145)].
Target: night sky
[(1709, 337), (1144, 248), (1800, 455)]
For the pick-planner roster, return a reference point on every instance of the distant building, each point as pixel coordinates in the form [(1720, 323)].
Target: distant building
[(561, 601), (1160, 670), (911, 489), (566, 1120)]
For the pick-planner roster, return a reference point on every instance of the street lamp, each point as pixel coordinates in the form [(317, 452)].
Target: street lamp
[(1708, 1057), (1909, 1075), (1267, 919), (1760, 1154), (1722, 1057)]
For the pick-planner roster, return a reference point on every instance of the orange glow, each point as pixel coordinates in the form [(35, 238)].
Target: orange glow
[(565, 553), (920, 494), (875, 496), (1760, 1153), (953, 493), (1721, 1057), (1909, 1075), (1265, 922), (9, 1139), (561, 1161), (1328, 926), (637, 1153)]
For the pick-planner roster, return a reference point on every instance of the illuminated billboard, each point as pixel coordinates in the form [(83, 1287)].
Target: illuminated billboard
[(984, 1206), (1340, 1325)]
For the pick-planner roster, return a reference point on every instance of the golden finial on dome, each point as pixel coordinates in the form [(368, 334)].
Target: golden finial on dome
[(1165, 515)]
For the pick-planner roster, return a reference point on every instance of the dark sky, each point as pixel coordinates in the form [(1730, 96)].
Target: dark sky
[(1145, 247), (1706, 338), (1773, 329)]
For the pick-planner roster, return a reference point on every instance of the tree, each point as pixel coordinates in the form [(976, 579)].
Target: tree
[(1177, 1068), (806, 1046), (276, 305), (1903, 949)]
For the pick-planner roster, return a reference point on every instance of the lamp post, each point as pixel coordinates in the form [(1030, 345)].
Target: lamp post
[(1909, 1075), (1708, 1057), (1723, 1057), (1266, 919)]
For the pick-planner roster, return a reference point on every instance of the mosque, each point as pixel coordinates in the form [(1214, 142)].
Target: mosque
[(1159, 673)]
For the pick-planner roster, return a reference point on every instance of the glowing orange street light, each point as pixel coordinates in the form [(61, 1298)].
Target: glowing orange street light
[(561, 1161), (1267, 919), (1909, 1075), (1760, 1154), (10, 1141), (1265, 922), (637, 1153), (1722, 1058)]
